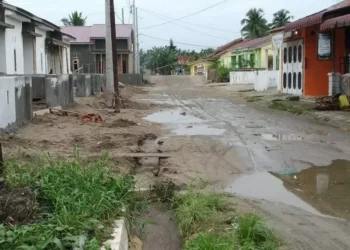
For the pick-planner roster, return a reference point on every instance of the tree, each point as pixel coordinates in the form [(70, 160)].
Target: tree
[(161, 59), (74, 19), (281, 18), (254, 25), (171, 45)]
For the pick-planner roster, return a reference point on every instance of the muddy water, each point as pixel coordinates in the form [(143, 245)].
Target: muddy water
[(280, 137), (319, 190), (183, 123)]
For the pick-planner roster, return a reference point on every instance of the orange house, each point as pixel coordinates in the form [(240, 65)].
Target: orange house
[(315, 48)]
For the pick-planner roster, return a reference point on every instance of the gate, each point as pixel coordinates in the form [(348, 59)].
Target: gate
[(293, 67)]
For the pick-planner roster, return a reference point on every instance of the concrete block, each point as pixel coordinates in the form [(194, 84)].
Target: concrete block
[(120, 240), (131, 79), (23, 99), (38, 87), (79, 83), (98, 81), (88, 85), (51, 91)]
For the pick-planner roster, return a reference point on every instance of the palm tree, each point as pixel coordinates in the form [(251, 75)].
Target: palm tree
[(281, 18), (254, 25), (74, 19)]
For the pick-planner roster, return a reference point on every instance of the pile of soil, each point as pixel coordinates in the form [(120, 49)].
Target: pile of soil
[(145, 137), (121, 123), (17, 205)]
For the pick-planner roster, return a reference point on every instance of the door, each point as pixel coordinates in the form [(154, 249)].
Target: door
[(292, 79)]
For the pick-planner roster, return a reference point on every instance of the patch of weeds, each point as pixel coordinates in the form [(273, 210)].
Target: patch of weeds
[(164, 190), (284, 107), (253, 98), (78, 203), (210, 241), (192, 209), (251, 232)]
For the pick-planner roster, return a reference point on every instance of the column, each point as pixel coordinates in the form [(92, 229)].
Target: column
[(266, 59)]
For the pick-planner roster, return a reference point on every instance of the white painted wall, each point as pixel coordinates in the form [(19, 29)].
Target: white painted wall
[(28, 55), (14, 41), (2, 52), (242, 77), (7, 101), (266, 79), (40, 52)]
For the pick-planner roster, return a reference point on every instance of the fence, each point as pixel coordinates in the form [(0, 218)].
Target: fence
[(262, 79)]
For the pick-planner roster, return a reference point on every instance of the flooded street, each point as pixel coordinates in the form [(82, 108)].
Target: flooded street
[(291, 168)]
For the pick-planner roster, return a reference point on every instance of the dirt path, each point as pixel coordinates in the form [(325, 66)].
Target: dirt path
[(283, 163)]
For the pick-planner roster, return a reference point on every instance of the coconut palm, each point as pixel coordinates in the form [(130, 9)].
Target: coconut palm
[(281, 18), (254, 25), (74, 19)]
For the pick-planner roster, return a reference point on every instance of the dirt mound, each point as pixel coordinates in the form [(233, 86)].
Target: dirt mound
[(106, 145), (121, 123), (145, 137), (17, 205)]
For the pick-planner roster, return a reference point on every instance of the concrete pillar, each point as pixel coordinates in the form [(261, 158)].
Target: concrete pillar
[(266, 59), (274, 60), (334, 81)]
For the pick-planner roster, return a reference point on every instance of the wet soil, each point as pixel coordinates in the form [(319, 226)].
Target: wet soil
[(17, 205), (160, 232)]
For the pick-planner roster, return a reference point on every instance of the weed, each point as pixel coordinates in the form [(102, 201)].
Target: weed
[(253, 98), (209, 241), (164, 190), (283, 107), (79, 203), (191, 208), (251, 231)]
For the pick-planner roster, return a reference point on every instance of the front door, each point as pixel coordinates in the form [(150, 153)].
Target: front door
[(292, 78)]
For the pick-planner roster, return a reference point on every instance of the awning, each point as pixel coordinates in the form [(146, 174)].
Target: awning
[(336, 22), (31, 33), (306, 21)]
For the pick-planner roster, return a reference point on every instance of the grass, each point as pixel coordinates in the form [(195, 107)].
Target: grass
[(288, 108), (199, 218), (253, 98), (77, 203)]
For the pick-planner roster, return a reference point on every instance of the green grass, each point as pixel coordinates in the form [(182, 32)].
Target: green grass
[(288, 108), (253, 98), (202, 225), (77, 203), (192, 209)]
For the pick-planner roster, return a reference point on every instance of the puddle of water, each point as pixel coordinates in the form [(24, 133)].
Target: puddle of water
[(280, 137), (155, 101), (325, 188), (173, 116), (319, 190), (263, 185), (198, 130)]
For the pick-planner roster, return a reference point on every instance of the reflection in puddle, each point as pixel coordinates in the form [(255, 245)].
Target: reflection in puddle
[(183, 123), (317, 190), (280, 137), (263, 185), (173, 116), (198, 130), (325, 188)]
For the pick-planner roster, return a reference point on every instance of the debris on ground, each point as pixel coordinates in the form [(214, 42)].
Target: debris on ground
[(121, 85), (327, 103), (91, 117), (293, 98), (121, 123), (183, 113)]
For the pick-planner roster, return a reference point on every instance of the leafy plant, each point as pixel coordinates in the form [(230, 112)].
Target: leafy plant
[(254, 24), (281, 18), (74, 19), (210, 241), (223, 73), (78, 203)]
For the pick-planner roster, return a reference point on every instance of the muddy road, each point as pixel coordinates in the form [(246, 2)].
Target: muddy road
[(292, 169)]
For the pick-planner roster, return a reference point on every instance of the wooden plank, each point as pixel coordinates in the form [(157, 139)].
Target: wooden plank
[(142, 155)]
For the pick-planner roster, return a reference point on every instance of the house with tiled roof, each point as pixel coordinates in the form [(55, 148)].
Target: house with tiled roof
[(88, 51)]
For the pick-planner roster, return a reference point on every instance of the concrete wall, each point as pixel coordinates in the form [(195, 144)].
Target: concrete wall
[(2, 52), (15, 101), (28, 55), (40, 52), (58, 90), (14, 42), (242, 77), (38, 87), (131, 79)]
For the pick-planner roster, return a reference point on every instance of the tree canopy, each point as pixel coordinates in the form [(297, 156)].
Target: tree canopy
[(254, 24), (281, 18), (74, 19)]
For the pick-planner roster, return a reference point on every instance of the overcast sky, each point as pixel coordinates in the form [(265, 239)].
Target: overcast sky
[(225, 16)]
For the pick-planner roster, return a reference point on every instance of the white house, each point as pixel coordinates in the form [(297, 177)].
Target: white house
[(31, 45)]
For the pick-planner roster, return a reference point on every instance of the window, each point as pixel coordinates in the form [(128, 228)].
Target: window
[(289, 80), (299, 80), (285, 80), (75, 64), (41, 62), (15, 59), (252, 60), (294, 80), (124, 67), (300, 53), (290, 54), (295, 54), (285, 55)]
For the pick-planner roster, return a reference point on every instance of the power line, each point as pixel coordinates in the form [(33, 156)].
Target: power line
[(190, 44), (177, 19), (200, 32), (199, 25)]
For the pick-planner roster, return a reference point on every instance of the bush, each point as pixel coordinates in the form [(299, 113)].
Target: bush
[(223, 74)]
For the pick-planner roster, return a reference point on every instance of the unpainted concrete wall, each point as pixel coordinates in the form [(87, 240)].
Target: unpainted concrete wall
[(131, 79), (15, 101), (58, 90)]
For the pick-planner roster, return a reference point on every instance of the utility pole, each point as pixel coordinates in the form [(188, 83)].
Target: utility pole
[(109, 57), (123, 16), (135, 35), (137, 43), (115, 58)]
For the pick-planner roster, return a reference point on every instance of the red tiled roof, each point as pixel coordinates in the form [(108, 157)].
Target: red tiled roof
[(224, 48), (183, 58), (340, 21), (253, 43), (276, 29), (315, 18), (84, 34)]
